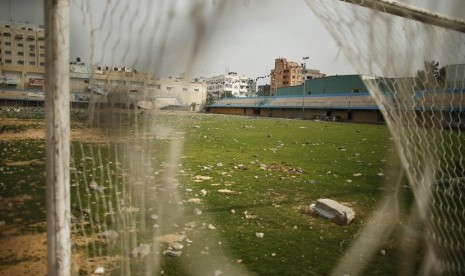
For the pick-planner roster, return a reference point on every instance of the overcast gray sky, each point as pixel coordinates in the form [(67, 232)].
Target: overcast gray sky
[(162, 36)]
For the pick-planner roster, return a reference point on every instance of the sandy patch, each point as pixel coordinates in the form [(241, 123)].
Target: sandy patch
[(37, 132)]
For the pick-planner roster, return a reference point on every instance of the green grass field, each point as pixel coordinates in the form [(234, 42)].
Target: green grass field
[(251, 175)]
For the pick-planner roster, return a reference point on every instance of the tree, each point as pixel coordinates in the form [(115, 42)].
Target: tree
[(432, 76)]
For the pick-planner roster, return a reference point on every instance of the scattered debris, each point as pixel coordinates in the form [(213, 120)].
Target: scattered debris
[(194, 200), (170, 238), (219, 164), (154, 216), (259, 235), (109, 234), (333, 210), (99, 270), (241, 167), (211, 227), (203, 192), (172, 253), (197, 211), (248, 215), (357, 174), (226, 191), (202, 177), (145, 105), (32, 163), (93, 186), (176, 246), (383, 252), (141, 251), (218, 272)]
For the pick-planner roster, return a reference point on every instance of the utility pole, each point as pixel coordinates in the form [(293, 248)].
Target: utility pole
[(304, 70), (57, 136)]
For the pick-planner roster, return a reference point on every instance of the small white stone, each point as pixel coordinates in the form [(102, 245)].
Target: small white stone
[(259, 235)]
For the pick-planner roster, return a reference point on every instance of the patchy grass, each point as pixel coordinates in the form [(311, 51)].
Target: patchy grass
[(248, 175), (275, 166)]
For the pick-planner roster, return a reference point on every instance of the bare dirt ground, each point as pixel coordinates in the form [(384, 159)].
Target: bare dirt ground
[(35, 130), (25, 252)]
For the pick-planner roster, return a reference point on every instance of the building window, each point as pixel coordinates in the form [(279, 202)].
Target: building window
[(42, 64), (32, 55), (32, 63), (42, 46), (20, 54), (184, 89), (42, 55), (355, 90), (7, 61), (20, 62), (20, 44), (168, 88), (196, 89), (7, 43), (7, 52)]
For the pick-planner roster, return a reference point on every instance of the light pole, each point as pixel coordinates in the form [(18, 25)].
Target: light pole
[(304, 70)]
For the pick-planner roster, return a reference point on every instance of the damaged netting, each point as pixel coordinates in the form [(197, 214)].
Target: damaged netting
[(417, 81)]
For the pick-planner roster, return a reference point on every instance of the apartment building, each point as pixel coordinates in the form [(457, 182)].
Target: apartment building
[(228, 85), (285, 73), (127, 86), (22, 55)]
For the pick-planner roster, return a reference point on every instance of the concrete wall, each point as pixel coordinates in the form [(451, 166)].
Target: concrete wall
[(356, 116)]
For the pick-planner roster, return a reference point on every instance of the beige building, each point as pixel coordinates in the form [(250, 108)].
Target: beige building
[(285, 73), (126, 86), (22, 56)]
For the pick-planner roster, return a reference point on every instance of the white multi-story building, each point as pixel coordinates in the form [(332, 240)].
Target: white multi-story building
[(228, 85), (178, 92)]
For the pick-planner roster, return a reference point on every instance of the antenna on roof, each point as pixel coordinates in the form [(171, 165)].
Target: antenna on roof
[(9, 11)]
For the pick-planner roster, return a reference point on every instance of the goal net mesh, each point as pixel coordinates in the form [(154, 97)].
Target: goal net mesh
[(126, 198), (414, 76)]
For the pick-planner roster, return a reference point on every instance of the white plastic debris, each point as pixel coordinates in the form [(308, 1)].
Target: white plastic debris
[(259, 235), (203, 192), (218, 272), (211, 227), (141, 251), (154, 216), (109, 234), (357, 174), (197, 211), (100, 270)]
